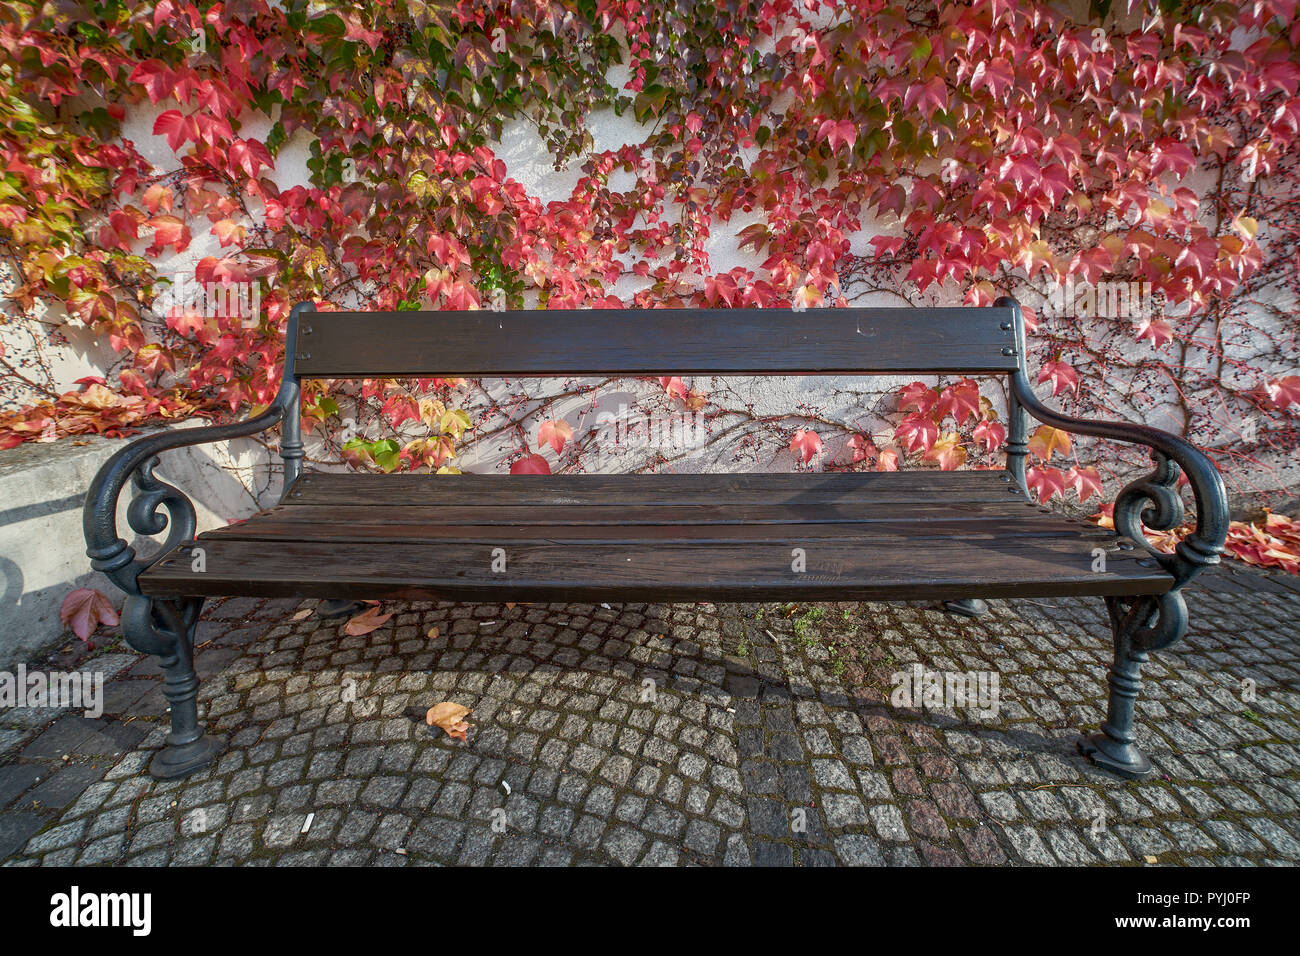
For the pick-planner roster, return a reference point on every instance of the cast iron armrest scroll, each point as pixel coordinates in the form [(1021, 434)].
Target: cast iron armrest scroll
[(1151, 622), (112, 555), (1171, 454), (165, 627)]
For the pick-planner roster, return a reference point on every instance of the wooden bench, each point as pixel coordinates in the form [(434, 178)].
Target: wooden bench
[(656, 538)]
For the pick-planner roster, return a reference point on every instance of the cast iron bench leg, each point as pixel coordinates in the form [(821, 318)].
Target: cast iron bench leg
[(167, 630), (1140, 625), (1114, 747)]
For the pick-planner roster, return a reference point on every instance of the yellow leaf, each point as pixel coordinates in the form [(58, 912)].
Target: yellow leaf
[(1246, 226), (433, 634), (807, 296), (454, 422), (430, 411), (1035, 256), (97, 396), (1047, 440)]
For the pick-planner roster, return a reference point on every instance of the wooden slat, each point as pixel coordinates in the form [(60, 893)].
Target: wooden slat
[(837, 569), (632, 513), (664, 489), (346, 531), (654, 341)]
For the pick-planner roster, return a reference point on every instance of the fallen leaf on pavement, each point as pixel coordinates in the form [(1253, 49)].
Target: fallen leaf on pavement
[(367, 621), (84, 610), (449, 717)]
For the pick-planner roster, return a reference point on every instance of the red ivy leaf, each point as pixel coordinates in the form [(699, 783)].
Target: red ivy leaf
[(176, 128), (250, 156), (918, 396), (961, 401), (1046, 482), (1284, 391), (674, 386), (1086, 482), (917, 433), (84, 610), (1157, 330), (806, 444), (844, 132), (863, 448), (1061, 376), (992, 434), (168, 231), (530, 465)]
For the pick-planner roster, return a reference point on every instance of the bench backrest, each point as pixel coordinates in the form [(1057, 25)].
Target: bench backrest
[(972, 341)]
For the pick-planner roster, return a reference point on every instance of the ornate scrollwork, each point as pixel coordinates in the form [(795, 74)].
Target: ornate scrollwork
[(1151, 622), (153, 493), (153, 625), (136, 462), (1154, 501), (156, 627), (119, 560), (1159, 490)]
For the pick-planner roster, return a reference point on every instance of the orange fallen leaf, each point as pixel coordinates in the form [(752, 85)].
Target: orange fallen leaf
[(433, 633), (367, 621), (449, 717), (1276, 545)]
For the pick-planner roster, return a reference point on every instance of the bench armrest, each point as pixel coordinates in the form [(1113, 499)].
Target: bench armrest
[(113, 556), (1153, 499)]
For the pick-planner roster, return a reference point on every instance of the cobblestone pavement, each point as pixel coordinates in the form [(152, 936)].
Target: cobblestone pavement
[(680, 734)]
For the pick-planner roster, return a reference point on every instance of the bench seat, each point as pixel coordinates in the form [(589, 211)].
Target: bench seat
[(887, 536)]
